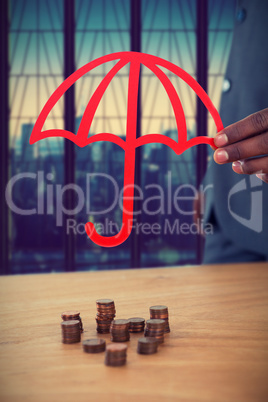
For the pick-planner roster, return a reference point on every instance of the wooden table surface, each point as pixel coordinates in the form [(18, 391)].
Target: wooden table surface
[(217, 349)]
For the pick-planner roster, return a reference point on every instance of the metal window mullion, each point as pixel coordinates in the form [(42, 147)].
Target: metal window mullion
[(135, 45), (69, 124), (201, 112), (4, 139)]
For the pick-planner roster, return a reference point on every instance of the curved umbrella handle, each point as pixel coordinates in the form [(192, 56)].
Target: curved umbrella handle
[(107, 241), (127, 219)]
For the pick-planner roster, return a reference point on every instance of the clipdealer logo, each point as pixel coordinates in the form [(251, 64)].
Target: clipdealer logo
[(256, 203), (48, 199)]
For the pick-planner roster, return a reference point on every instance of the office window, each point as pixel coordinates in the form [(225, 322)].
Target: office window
[(36, 58), (36, 65)]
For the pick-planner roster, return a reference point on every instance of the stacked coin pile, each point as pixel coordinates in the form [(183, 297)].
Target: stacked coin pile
[(155, 328), (147, 345), (72, 315), (160, 312), (119, 331), (116, 355), (71, 332), (94, 345), (136, 324), (105, 315)]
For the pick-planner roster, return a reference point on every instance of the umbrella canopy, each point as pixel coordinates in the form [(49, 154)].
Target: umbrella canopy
[(135, 59)]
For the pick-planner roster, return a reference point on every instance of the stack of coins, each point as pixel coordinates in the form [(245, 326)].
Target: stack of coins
[(147, 345), (72, 315), (155, 328), (71, 332), (116, 355), (105, 315), (119, 331), (94, 345), (160, 312), (136, 324)]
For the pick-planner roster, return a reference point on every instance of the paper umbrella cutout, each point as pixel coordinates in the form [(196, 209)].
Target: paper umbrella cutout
[(81, 139)]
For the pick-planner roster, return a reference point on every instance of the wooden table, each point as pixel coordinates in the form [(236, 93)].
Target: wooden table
[(217, 349)]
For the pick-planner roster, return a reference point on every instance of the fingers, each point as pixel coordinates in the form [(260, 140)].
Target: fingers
[(263, 177), (250, 126), (248, 148), (241, 142), (251, 166)]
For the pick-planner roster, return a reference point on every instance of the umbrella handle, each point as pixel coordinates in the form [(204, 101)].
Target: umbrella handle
[(127, 215), (106, 241)]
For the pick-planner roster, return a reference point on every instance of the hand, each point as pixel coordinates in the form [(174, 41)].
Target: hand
[(245, 139)]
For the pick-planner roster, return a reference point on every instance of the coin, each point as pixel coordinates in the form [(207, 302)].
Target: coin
[(116, 355), (105, 302), (71, 332), (72, 315), (155, 323), (69, 314), (155, 328), (94, 345), (70, 324), (105, 315), (159, 308), (119, 330), (161, 312), (136, 324), (136, 320), (147, 345)]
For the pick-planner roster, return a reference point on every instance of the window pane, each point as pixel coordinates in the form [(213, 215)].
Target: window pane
[(221, 21), (36, 57), (169, 31), (100, 166), (167, 178)]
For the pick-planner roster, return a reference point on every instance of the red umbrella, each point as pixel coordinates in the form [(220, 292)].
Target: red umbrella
[(129, 146)]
